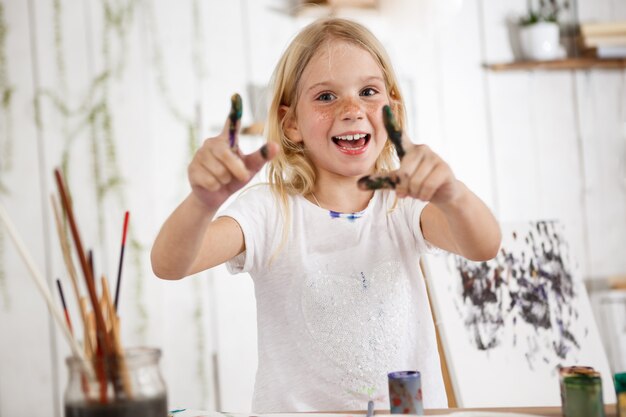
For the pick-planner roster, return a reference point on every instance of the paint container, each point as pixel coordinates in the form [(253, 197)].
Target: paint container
[(620, 390), (581, 392), (405, 393), (144, 393)]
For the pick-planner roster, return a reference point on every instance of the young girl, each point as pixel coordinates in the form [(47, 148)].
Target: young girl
[(340, 297)]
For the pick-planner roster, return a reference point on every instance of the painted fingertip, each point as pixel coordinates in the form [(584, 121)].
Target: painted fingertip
[(236, 108), (363, 183), (265, 152)]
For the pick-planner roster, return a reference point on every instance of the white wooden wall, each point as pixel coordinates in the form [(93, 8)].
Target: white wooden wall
[(532, 144)]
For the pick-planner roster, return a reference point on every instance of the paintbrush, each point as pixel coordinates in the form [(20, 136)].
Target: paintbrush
[(83, 377), (116, 343), (103, 349), (67, 314), (43, 289), (394, 132), (236, 110), (67, 256), (119, 267), (87, 272), (370, 408)]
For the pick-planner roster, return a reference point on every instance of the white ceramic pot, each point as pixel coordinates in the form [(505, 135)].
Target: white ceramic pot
[(540, 41)]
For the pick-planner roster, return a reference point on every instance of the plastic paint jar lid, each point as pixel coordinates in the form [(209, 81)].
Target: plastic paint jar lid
[(403, 374), (580, 377)]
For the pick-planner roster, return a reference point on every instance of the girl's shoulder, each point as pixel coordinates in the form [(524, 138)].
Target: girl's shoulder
[(258, 190), (255, 197), (256, 193)]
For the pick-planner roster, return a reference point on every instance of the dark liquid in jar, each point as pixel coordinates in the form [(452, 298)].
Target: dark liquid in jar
[(150, 407)]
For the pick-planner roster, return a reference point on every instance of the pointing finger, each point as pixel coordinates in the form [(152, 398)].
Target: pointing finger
[(232, 162), (393, 130)]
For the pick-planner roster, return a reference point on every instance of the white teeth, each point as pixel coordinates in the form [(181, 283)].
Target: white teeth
[(351, 137)]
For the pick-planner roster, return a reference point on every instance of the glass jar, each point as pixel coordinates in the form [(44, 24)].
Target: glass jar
[(117, 387)]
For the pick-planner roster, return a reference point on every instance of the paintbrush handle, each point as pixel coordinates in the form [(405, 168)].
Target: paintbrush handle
[(121, 263), (65, 201), (118, 351), (43, 288), (67, 255)]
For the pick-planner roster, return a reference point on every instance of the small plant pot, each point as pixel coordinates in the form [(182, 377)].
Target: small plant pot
[(540, 41)]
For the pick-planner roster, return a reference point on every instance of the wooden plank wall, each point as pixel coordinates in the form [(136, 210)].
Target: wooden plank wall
[(124, 90)]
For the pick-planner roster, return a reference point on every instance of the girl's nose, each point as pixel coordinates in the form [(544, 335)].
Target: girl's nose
[(350, 109)]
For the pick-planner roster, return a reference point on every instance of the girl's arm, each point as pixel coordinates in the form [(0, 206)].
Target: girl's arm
[(190, 240), (464, 226), (456, 220)]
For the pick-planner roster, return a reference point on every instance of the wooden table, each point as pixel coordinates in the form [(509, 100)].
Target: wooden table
[(609, 410)]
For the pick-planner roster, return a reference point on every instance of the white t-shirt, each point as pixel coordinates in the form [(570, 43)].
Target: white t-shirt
[(341, 305)]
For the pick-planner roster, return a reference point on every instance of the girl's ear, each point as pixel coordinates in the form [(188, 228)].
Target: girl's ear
[(290, 125)]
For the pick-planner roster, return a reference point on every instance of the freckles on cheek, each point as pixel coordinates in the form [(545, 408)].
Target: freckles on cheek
[(375, 108), (322, 115)]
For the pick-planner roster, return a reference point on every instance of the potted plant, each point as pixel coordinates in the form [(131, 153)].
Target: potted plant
[(539, 30)]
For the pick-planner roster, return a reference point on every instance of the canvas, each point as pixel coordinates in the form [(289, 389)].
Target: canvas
[(508, 324)]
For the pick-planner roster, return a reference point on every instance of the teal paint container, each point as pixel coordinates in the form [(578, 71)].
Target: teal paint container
[(620, 391), (581, 392)]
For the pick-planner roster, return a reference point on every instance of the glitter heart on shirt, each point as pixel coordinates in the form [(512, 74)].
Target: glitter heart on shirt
[(356, 321)]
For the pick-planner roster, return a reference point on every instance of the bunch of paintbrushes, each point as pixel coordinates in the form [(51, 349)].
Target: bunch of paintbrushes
[(101, 334), (101, 359)]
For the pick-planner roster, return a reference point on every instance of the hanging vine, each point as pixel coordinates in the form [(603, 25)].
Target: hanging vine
[(93, 117), (188, 123), (191, 127), (6, 143)]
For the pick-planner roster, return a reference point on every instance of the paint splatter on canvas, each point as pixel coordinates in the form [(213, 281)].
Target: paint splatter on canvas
[(529, 283), (512, 321)]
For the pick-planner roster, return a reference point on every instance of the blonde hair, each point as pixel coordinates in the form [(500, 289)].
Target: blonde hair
[(291, 171)]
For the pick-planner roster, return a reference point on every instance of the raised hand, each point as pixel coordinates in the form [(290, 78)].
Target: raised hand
[(422, 173), (218, 169), (425, 176)]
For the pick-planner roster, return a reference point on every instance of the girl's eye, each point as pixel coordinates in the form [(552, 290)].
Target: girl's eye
[(326, 97), (368, 92)]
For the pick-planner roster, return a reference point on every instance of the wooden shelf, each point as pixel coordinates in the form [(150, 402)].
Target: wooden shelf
[(366, 4), (560, 64)]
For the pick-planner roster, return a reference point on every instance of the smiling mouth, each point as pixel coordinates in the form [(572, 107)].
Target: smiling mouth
[(352, 142)]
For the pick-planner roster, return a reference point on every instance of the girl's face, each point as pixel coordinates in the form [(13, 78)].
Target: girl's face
[(339, 116)]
